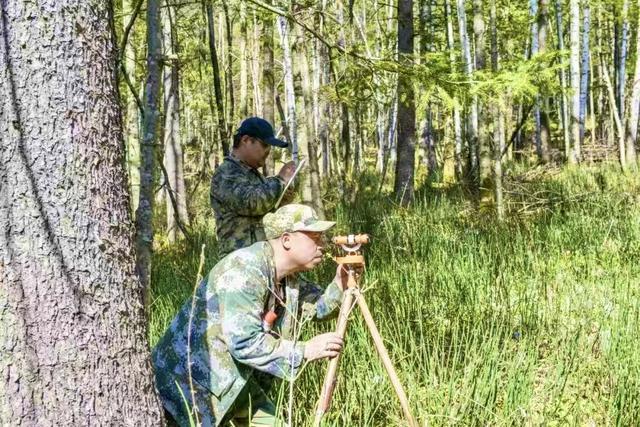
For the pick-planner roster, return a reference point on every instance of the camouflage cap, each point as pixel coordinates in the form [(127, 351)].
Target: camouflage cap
[(290, 218)]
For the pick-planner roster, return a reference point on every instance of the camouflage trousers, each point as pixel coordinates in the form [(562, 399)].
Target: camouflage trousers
[(252, 408)]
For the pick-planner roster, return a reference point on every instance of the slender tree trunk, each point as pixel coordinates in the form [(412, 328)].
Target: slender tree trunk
[(292, 125), (472, 126), (498, 121), (543, 104), (223, 131), (73, 342), (173, 157), (457, 123), (244, 102), (144, 213), (405, 164), (533, 11), (483, 131), (584, 79), (305, 142), (563, 83), (132, 118), (634, 107), (574, 34), (268, 82), (228, 72), (621, 71)]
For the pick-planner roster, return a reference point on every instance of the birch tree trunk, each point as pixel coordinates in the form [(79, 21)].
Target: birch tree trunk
[(584, 79), (150, 139), (498, 119), (405, 163), (574, 36), (73, 343)]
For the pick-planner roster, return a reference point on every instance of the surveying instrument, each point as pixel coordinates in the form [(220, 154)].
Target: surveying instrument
[(352, 261)]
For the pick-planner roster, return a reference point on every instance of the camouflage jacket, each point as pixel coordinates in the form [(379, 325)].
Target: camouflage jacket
[(240, 197), (227, 340)]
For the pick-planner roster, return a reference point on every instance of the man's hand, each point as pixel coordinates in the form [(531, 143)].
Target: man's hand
[(323, 346), (286, 172), (342, 275)]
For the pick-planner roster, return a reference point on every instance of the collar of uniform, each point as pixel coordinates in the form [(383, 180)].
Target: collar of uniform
[(242, 163), (271, 264)]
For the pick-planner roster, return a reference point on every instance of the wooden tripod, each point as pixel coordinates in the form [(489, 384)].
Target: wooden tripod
[(352, 261)]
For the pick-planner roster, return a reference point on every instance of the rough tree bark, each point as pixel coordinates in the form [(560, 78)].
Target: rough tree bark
[(563, 83), (405, 164), (73, 345), (543, 104), (268, 82), (150, 137)]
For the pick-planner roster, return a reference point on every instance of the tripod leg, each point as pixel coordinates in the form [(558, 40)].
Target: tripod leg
[(330, 378), (386, 360)]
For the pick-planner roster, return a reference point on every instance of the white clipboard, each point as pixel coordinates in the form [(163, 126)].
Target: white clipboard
[(286, 187)]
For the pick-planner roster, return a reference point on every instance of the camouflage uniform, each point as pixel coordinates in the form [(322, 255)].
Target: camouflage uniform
[(240, 196), (227, 339)]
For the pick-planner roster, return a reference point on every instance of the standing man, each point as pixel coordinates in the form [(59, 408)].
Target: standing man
[(241, 322), (240, 194)]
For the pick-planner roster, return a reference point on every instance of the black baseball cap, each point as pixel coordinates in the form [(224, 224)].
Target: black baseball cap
[(261, 129)]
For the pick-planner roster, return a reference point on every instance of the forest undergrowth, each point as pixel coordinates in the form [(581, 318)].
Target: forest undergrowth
[(529, 321)]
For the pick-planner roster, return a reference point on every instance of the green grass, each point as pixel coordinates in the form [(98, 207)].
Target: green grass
[(527, 322)]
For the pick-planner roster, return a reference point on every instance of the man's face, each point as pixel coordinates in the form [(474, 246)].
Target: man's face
[(306, 248), (255, 151)]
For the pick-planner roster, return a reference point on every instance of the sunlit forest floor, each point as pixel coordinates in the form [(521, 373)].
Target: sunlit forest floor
[(527, 322)]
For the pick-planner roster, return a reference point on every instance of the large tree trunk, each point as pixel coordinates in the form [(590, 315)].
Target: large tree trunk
[(405, 163), (150, 138), (73, 345), (574, 35), (173, 157)]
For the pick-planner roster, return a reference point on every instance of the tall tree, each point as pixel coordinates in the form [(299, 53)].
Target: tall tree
[(634, 106), (131, 117), (405, 163), (150, 138), (563, 83), (472, 124), (173, 157), (223, 131), (584, 67), (544, 133), (483, 149), (574, 36), (457, 123), (73, 344), (290, 97), (268, 81)]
